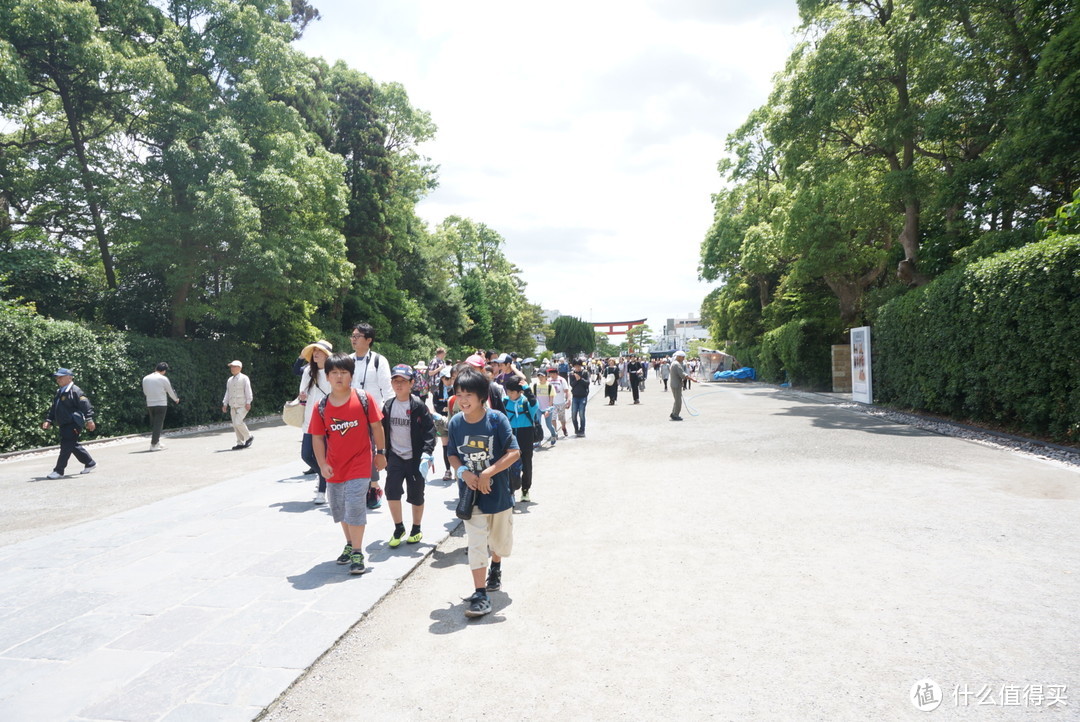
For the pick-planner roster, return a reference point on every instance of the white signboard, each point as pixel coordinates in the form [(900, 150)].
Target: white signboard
[(862, 384)]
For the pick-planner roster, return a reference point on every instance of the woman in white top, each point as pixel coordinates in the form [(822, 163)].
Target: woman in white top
[(313, 388)]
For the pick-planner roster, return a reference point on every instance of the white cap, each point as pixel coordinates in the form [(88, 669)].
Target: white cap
[(237, 364), (679, 353)]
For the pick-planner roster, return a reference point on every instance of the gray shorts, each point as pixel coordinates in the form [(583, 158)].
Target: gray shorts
[(348, 501)]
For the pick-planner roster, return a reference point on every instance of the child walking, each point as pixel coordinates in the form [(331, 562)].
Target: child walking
[(410, 432), (482, 449), (340, 430)]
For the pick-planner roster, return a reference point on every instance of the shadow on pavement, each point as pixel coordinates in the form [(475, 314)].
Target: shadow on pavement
[(298, 507), (453, 619), (321, 575), (827, 417), (444, 560)]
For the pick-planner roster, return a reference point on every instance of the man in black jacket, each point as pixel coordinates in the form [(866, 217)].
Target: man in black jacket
[(71, 412), (410, 441)]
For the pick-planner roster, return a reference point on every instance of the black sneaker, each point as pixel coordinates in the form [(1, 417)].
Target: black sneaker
[(494, 580), (356, 563), (346, 555), (479, 605)]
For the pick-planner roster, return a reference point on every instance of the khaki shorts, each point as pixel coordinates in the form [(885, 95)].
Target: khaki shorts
[(489, 531)]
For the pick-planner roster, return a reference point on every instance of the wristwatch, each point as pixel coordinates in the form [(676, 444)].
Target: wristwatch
[(381, 451)]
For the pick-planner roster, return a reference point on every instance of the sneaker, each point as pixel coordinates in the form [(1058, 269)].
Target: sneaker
[(356, 563), (395, 540), (53, 475), (238, 447), (494, 580), (676, 418), (479, 605), (346, 555), (248, 442), (553, 439), (311, 470), (447, 476), (415, 538), (525, 496), (156, 447), (89, 469), (320, 498)]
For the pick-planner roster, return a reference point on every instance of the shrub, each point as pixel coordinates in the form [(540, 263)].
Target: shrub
[(995, 341), (109, 366), (801, 349)]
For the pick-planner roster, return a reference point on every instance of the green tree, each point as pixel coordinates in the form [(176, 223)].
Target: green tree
[(241, 208), (638, 338), (572, 336), (74, 72)]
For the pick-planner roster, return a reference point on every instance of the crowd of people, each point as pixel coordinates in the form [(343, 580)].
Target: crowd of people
[(364, 419)]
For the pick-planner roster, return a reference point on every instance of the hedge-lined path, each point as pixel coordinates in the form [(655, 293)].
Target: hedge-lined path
[(775, 557)]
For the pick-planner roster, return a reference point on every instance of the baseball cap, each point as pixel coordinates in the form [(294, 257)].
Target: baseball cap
[(237, 364), (679, 353), (476, 361), (504, 358), (402, 370)]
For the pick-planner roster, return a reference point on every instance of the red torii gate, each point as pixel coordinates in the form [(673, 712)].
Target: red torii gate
[(615, 328)]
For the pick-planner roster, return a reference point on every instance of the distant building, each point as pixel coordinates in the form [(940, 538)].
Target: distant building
[(678, 333)]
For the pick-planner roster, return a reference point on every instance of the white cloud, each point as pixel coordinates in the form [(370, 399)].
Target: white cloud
[(586, 133)]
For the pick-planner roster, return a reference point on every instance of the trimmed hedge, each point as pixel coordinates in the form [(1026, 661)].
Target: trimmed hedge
[(801, 348), (109, 366), (995, 341)]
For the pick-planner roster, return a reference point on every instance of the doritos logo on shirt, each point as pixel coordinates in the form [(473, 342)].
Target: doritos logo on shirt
[(342, 426)]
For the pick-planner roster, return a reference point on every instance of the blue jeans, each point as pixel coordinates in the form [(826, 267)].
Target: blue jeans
[(577, 413), (549, 420)]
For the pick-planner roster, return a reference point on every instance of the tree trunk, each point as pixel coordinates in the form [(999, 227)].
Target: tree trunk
[(87, 182), (178, 308)]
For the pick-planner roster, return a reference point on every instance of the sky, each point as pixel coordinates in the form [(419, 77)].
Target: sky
[(585, 133)]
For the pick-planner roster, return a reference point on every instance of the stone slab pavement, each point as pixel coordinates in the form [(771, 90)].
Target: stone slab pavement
[(201, 592)]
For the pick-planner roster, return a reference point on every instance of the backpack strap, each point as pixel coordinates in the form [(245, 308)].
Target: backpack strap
[(361, 396)]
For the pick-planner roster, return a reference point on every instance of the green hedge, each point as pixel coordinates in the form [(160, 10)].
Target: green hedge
[(994, 341), (109, 366), (801, 350)]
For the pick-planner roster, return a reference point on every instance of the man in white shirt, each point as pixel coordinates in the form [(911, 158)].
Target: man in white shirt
[(237, 402), (372, 372), (158, 390)]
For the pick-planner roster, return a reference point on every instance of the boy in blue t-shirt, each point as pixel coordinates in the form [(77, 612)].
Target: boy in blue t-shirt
[(482, 447)]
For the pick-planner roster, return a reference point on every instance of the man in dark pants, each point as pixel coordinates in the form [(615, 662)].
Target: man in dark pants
[(634, 370), (158, 390), (71, 411)]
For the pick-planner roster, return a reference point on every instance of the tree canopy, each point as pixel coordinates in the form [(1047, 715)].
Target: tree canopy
[(912, 135), (198, 176)]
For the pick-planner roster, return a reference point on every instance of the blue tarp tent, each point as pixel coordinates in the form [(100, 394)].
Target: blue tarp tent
[(744, 373)]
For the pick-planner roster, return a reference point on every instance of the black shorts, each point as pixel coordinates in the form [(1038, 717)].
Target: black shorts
[(401, 475)]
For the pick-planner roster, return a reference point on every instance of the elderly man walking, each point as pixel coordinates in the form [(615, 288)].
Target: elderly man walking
[(237, 402), (678, 374)]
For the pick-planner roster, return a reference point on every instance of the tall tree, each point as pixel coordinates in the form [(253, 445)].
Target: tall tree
[(572, 336)]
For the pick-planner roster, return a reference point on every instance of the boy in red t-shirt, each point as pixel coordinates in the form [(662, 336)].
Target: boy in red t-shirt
[(340, 430)]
